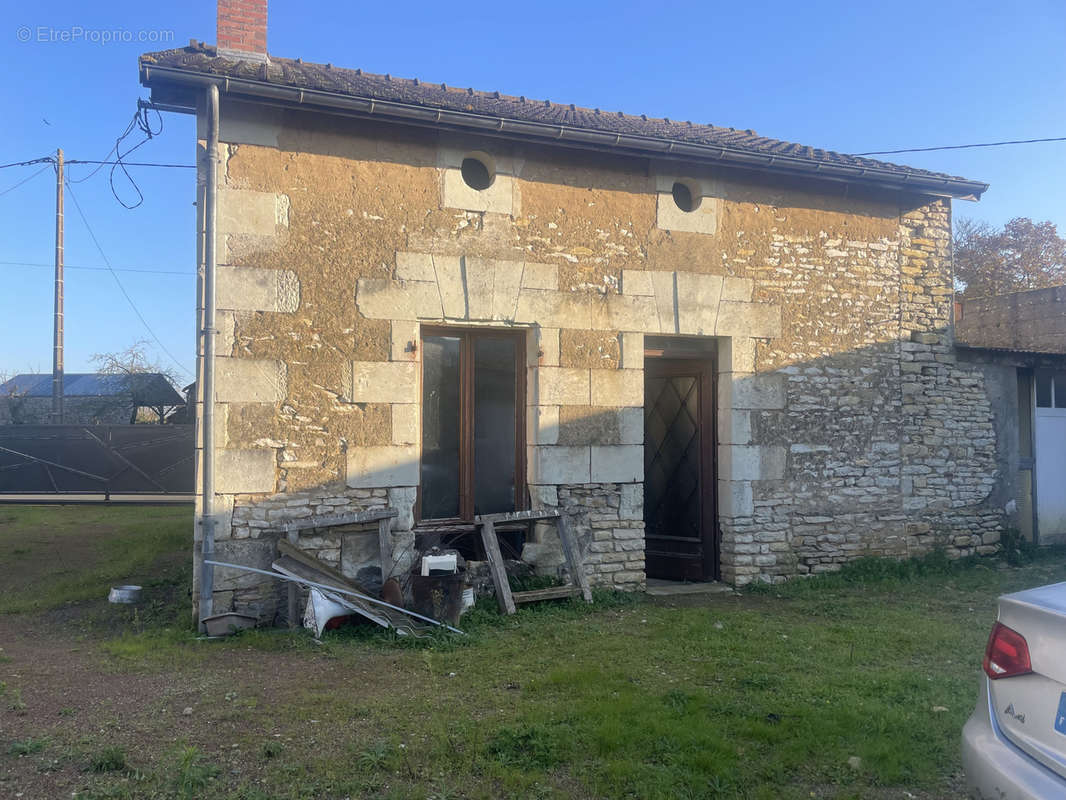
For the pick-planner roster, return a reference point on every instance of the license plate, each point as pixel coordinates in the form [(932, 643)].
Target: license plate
[(1060, 716)]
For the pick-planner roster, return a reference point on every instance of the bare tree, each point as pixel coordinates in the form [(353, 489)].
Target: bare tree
[(1022, 255), (12, 401), (134, 360)]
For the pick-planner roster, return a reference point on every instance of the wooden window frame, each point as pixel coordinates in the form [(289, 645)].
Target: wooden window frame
[(467, 338)]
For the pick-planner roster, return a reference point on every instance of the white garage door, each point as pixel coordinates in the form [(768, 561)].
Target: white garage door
[(1050, 445)]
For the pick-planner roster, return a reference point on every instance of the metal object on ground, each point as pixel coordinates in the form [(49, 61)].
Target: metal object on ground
[(289, 546), (228, 623), (439, 596), (345, 592), (124, 594)]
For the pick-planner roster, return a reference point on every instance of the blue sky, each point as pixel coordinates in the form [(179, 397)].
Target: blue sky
[(847, 76)]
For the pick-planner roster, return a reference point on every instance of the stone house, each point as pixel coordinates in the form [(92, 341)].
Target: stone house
[(1018, 343), (722, 355)]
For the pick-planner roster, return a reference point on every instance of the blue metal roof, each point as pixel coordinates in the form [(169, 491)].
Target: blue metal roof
[(148, 388)]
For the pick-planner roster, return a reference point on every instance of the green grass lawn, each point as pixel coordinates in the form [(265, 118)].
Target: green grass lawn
[(764, 694), (52, 555)]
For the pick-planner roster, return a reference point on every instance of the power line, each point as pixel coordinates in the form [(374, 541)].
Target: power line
[(51, 160), (114, 275), (127, 164), (24, 180), (101, 269), (960, 146), (31, 162)]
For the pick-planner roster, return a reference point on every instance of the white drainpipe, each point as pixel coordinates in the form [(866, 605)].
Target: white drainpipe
[(207, 508)]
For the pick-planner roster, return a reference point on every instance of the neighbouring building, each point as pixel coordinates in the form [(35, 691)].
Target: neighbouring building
[(1017, 342), (89, 398), (722, 355)]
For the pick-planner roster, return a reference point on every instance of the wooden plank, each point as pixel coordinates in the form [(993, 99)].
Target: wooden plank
[(373, 515), (385, 544), (496, 568), (327, 574), (577, 569), (293, 538), (518, 516), (550, 593)]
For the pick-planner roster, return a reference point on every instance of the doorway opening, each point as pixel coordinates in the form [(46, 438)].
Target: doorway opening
[(680, 512)]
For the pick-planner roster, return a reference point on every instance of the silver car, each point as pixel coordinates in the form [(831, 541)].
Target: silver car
[(1014, 744)]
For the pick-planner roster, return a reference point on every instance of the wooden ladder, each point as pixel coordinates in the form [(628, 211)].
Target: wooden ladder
[(504, 596)]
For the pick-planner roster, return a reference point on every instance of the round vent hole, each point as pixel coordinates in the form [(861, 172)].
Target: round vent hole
[(476, 174), (684, 197)]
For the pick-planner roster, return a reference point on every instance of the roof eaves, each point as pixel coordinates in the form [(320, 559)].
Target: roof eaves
[(561, 133)]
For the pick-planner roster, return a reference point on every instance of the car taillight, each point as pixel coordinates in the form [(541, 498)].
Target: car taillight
[(1007, 653)]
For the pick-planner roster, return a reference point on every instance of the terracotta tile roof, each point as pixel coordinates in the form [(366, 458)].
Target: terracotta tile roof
[(201, 59)]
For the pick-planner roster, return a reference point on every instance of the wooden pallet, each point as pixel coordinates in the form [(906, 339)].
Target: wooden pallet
[(504, 596)]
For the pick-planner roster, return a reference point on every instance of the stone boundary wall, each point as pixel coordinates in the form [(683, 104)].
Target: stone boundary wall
[(1033, 320)]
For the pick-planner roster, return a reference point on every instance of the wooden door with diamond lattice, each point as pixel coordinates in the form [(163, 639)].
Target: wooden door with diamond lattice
[(679, 476)]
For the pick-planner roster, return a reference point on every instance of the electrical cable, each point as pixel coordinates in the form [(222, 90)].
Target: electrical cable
[(101, 269), (134, 164), (960, 146), (125, 294), (125, 133), (32, 161), (140, 121), (24, 180)]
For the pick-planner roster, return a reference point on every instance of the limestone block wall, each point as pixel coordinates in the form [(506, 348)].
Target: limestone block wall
[(844, 425), (585, 383)]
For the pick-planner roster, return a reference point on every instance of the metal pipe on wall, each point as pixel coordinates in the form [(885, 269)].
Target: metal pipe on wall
[(207, 507)]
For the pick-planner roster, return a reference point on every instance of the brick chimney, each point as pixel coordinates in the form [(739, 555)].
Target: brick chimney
[(242, 29)]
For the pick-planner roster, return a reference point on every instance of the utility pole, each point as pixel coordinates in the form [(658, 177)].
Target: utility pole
[(57, 334)]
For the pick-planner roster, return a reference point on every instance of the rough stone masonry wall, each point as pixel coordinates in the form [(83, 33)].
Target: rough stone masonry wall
[(837, 388), (15, 410), (949, 441)]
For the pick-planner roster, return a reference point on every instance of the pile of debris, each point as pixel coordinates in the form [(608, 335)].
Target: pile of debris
[(432, 596)]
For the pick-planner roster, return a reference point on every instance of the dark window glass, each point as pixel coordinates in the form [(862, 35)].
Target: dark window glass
[(1060, 390), (440, 427), (494, 425), (1043, 390)]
